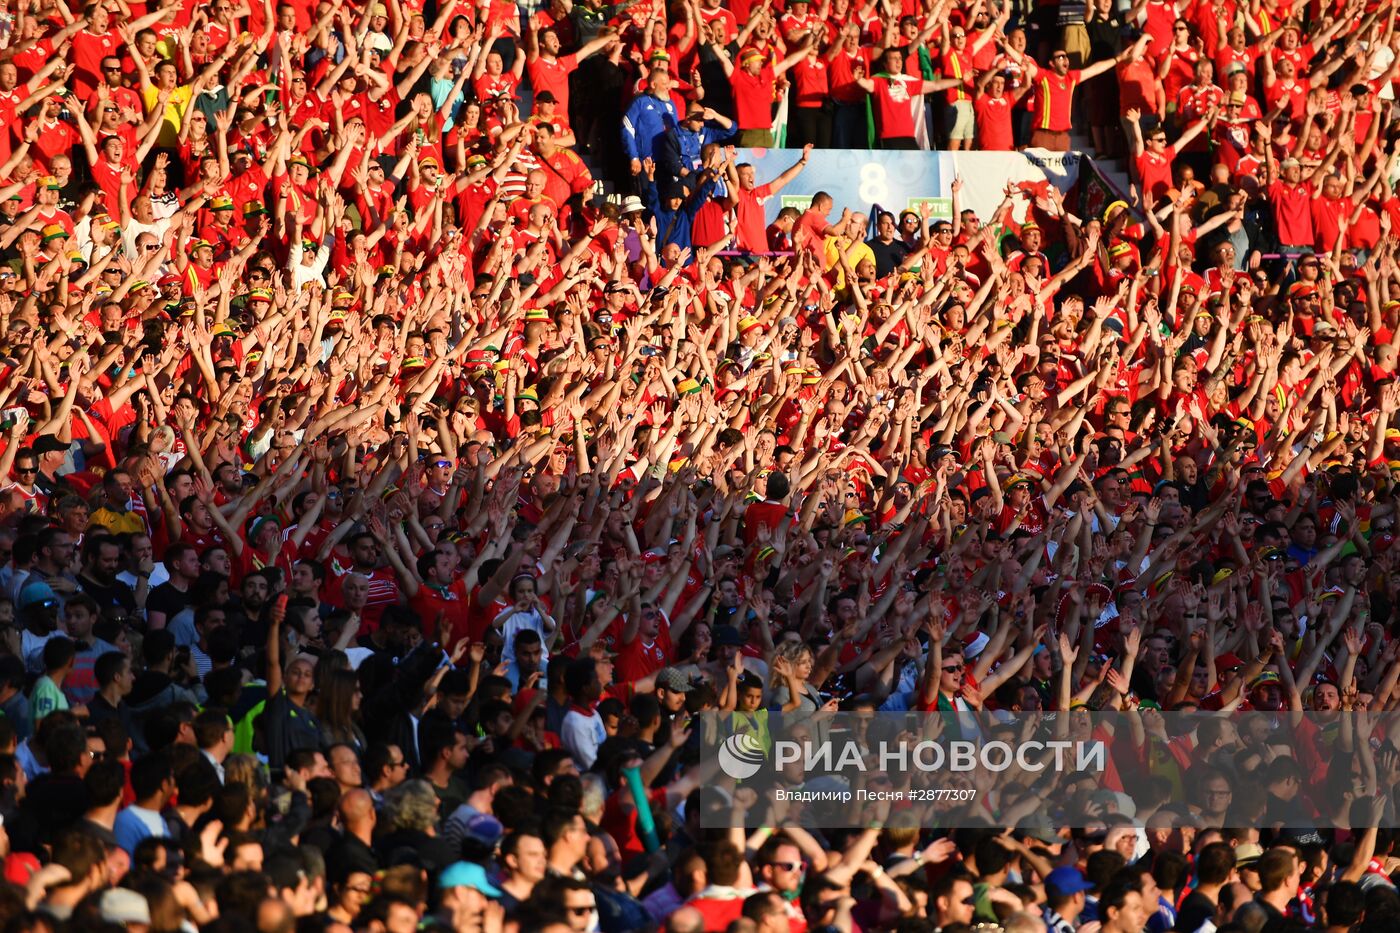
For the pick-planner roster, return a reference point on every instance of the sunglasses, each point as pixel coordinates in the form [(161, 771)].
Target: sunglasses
[(442, 463)]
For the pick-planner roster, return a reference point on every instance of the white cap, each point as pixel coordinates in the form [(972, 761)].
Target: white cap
[(123, 905)]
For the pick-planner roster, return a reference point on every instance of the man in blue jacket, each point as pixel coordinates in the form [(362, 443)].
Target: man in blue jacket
[(680, 150), (672, 207), (648, 119)]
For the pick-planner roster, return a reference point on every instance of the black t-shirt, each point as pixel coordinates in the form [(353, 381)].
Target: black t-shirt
[(888, 256), (1195, 910), (109, 595), (169, 600), (350, 854), (1275, 916), (99, 709)]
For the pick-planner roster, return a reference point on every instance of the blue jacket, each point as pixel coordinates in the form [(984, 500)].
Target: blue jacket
[(680, 149), (674, 227), (646, 123)]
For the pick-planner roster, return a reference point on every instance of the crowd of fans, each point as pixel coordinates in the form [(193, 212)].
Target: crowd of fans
[(414, 423)]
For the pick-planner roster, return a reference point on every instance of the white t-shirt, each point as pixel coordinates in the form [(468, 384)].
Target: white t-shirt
[(581, 735), (516, 623), (135, 228)]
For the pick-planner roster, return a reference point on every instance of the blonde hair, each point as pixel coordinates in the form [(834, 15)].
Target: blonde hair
[(792, 652)]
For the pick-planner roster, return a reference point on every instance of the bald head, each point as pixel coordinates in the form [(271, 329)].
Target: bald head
[(685, 920), (357, 808), (275, 917)]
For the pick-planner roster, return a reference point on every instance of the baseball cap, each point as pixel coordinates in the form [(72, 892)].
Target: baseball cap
[(35, 593), (123, 905), (1066, 880), (672, 680), (48, 443), (728, 635), (467, 875), (485, 829)]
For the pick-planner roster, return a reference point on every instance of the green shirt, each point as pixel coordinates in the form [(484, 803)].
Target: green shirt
[(45, 699)]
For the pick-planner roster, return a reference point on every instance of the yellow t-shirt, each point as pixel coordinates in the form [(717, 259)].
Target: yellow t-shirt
[(175, 109), (861, 253), (119, 522)]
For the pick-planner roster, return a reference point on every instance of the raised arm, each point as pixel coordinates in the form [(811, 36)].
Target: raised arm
[(782, 181)]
